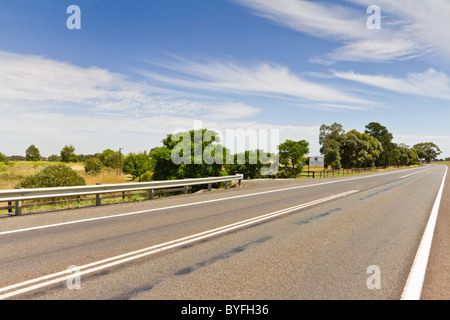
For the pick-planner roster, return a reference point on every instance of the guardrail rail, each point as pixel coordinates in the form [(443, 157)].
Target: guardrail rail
[(19, 195)]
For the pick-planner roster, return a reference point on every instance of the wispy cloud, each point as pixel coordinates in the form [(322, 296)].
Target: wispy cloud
[(409, 28), (431, 83), (30, 82), (262, 79)]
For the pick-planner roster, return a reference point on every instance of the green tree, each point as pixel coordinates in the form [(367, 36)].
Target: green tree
[(68, 154), (381, 133), (249, 163), (290, 155), (137, 164), (359, 150), (3, 158), (427, 150), (54, 158), (32, 153), (110, 158), (403, 155), (329, 138), (93, 166), (190, 154)]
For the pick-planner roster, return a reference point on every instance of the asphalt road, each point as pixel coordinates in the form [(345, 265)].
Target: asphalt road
[(338, 238)]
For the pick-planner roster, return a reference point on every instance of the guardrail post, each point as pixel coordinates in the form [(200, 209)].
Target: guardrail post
[(209, 186), (226, 185), (9, 204), (98, 198), (18, 208), (150, 194), (186, 190)]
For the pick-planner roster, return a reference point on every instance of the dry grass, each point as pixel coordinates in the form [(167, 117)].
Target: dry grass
[(11, 174), (447, 163)]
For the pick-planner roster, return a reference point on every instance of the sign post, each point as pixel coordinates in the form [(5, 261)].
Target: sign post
[(316, 162)]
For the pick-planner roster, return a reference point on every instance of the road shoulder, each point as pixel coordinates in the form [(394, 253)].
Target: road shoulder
[(437, 279)]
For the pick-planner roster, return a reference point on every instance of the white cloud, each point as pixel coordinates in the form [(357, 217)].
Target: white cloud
[(431, 83), (30, 82), (264, 79), (51, 103), (408, 29)]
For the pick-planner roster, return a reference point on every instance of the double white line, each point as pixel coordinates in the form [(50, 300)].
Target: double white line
[(37, 283)]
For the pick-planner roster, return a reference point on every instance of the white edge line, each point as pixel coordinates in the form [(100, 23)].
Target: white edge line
[(414, 284), (157, 248), (189, 204)]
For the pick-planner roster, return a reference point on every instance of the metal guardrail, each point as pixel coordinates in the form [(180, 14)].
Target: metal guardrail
[(19, 195)]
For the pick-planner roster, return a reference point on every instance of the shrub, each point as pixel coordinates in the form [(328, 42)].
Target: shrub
[(3, 158), (58, 175), (93, 166), (147, 176)]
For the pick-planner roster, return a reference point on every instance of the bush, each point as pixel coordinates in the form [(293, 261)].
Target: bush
[(93, 166), (3, 158), (58, 175), (147, 176)]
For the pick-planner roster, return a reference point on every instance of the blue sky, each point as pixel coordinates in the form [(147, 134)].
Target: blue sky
[(138, 70)]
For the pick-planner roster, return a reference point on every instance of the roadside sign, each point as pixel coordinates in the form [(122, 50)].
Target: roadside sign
[(316, 161)]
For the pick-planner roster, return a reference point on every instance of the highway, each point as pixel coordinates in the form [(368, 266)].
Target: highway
[(352, 237)]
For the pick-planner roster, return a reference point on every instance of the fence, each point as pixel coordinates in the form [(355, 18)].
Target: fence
[(341, 172), (19, 195)]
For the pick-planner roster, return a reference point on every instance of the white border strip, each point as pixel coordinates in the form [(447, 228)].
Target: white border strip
[(413, 287)]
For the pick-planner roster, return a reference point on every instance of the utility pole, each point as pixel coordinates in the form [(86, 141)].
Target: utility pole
[(120, 160)]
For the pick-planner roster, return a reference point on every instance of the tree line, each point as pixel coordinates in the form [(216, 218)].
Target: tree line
[(341, 149), (373, 147)]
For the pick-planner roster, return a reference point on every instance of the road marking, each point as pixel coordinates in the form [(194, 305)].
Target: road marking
[(190, 204), (414, 284), (411, 174), (54, 278)]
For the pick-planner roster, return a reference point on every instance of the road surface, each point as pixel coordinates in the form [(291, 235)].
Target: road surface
[(351, 237)]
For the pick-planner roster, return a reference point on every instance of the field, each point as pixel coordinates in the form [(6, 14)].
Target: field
[(447, 163), (13, 172)]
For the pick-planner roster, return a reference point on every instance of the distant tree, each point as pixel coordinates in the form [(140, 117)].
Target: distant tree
[(403, 155), (379, 132), (68, 154), (16, 158), (137, 164), (351, 149), (359, 150), (248, 163), (427, 150), (290, 157), (84, 157), (190, 154), (54, 158), (110, 158), (32, 153), (3, 158), (93, 166), (329, 138)]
